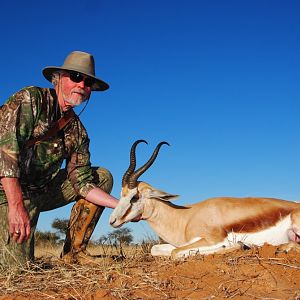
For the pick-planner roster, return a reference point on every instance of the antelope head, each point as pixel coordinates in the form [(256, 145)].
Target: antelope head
[(134, 193)]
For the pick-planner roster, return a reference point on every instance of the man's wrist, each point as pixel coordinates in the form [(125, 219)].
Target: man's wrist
[(15, 203)]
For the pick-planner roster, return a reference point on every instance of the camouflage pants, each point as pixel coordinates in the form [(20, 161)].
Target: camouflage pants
[(60, 192)]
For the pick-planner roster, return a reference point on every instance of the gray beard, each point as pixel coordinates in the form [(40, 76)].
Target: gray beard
[(73, 102)]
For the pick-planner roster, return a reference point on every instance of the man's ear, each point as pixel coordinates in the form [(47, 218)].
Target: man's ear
[(161, 195)]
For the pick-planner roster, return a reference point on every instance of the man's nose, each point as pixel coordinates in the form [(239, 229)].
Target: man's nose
[(81, 84)]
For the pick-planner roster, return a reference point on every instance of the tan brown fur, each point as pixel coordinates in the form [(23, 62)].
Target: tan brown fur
[(208, 223), (258, 222)]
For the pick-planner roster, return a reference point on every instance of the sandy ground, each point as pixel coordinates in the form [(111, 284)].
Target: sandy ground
[(251, 274)]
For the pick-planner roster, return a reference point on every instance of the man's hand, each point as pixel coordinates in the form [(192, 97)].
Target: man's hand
[(18, 218), (19, 223)]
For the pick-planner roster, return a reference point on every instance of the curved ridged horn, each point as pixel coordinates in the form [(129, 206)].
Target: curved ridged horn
[(132, 182), (132, 165)]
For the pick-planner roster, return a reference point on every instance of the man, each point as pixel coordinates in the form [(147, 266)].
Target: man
[(38, 131)]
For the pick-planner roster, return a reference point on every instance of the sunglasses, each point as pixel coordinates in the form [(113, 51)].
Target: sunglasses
[(77, 77)]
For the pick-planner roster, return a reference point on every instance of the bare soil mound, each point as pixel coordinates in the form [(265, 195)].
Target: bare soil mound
[(252, 274)]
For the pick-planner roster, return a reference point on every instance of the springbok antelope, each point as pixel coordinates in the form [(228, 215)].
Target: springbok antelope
[(209, 226)]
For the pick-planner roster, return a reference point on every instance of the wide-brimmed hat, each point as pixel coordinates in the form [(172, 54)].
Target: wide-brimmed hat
[(81, 62)]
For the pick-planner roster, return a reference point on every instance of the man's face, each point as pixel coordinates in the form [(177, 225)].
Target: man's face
[(73, 89)]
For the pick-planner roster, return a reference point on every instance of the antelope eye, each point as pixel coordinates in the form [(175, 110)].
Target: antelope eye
[(134, 199)]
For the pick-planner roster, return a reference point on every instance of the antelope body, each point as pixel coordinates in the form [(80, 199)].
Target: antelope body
[(209, 226)]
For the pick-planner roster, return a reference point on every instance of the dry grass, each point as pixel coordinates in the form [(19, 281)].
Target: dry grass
[(51, 278), (256, 274)]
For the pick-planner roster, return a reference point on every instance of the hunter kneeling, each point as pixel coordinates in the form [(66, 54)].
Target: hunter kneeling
[(38, 131)]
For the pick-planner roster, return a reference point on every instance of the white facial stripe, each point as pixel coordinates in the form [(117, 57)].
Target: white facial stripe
[(124, 204)]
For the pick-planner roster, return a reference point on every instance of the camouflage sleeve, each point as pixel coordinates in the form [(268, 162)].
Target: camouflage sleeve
[(79, 167), (16, 123)]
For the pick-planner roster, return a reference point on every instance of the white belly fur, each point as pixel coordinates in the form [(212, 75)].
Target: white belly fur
[(275, 235)]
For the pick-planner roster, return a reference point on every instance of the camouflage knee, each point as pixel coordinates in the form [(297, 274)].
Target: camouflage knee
[(103, 179)]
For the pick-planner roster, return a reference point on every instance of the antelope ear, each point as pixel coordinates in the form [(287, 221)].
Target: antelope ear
[(161, 195)]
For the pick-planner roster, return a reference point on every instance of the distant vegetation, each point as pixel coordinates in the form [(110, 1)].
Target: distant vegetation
[(117, 238)]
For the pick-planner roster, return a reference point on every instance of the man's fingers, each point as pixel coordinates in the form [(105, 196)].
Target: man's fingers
[(12, 229), (16, 236), (15, 232), (27, 232), (20, 235)]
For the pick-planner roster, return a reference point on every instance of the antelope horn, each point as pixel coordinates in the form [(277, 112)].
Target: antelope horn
[(132, 165), (132, 182)]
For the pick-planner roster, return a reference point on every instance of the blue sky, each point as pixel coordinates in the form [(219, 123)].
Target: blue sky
[(218, 80)]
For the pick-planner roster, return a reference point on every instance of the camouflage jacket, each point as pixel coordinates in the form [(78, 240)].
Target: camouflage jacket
[(29, 113)]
